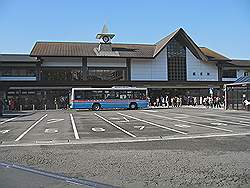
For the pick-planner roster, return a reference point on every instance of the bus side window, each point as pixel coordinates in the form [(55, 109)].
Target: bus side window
[(140, 94), (122, 94), (79, 94), (129, 95), (108, 94)]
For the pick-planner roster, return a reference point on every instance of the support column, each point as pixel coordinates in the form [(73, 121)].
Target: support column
[(84, 68), (128, 63), (39, 70)]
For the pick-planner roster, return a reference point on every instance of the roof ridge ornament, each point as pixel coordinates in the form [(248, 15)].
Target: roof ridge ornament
[(105, 36)]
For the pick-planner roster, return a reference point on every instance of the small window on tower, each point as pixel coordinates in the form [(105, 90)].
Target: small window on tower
[(208, 74), (193, 73), (201, 73)]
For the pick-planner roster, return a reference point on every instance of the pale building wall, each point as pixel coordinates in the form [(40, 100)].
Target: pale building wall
[(150, 69), (196, 66)]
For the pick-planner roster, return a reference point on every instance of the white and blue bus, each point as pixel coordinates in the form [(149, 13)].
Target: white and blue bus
[(109, 98)]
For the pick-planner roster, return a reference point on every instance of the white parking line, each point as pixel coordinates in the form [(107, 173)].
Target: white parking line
[(7, 120), (74, 126), (197, 124), (32, 126), (124, 140), (182, 126), (151, 123), (116, 126), (246, 124), (240, 118)]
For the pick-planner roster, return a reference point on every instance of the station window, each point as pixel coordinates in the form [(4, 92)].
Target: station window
[(106, 74), (176, 61), (229, 74)]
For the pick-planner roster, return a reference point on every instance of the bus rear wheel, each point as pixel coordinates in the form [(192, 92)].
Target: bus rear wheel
[(96, 107), (133, 106)]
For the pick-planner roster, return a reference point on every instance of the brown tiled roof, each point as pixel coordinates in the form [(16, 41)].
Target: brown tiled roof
[(80, 49), (212, 55), (240, 62)]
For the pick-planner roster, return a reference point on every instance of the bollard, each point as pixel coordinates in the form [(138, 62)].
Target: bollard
[(56, 106), (33, 107), (21, 107), (45, 107)]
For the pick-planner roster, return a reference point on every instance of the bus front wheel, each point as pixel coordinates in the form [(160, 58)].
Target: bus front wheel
[(96, 107), (133, 106)]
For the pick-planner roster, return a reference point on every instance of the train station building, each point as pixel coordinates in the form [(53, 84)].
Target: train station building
[(174, 65)]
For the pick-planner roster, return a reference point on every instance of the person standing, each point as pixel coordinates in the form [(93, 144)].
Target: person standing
[(157, 101), (162, 101), (177, 101), (166, 101), (1, 107), (195, 101)]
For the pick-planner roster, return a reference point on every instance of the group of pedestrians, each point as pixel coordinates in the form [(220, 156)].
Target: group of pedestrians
[(166, 101), (177, 101), (213, 101), (193, 101)]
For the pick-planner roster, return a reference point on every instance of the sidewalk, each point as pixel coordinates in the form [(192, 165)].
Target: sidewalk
[(183, 106)]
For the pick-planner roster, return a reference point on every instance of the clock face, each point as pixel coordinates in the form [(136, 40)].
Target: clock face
[(105, 39)]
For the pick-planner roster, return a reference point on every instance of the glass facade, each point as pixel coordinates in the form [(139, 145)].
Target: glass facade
[(236, 96), (17, 72), (176, 61), (229, 74), (107, 74), (66, 74)]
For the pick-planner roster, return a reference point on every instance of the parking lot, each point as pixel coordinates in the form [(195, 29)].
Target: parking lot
[(65, 127)]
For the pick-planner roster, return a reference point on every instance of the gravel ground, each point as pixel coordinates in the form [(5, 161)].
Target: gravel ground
[(215, 162)]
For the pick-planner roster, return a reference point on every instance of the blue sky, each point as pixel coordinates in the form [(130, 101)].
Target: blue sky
[(222, 25)]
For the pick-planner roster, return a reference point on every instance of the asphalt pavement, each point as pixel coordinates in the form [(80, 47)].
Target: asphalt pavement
[(179, 147)]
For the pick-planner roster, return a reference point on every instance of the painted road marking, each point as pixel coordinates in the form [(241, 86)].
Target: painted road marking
[(180, 117), (240, 118), (7, 120), (150, 110), (139, 127), (54, 120), (229, 122), (216, 123), (189, 122), (182, 126), (125, 120), (4, 131), (74, 126), (151, 123), (51, 131), (116, 126), (98, 129), (32, 126), (124, 140)]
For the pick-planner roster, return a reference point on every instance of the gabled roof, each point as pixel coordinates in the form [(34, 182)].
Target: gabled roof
[(17, 58), (80, 49), (185, 38), (212, 55)]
